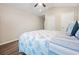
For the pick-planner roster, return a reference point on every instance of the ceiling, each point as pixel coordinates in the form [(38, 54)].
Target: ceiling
[(36, 10)]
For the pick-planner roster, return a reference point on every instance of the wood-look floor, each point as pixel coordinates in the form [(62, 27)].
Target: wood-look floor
[(9, 49)]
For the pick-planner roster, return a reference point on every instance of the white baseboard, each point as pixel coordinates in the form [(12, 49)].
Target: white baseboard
[(8, 41)]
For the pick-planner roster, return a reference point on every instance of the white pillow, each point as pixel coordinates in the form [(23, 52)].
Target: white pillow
[(70, 28), (77, 34)]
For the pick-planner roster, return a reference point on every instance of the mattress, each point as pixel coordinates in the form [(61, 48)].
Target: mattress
[(44, 42)]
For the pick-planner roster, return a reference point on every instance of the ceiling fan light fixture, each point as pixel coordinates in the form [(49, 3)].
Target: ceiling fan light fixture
[(40, 10)]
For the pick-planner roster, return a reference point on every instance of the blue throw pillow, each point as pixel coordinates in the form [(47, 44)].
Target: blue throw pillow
[(77, 34), (72, 28)]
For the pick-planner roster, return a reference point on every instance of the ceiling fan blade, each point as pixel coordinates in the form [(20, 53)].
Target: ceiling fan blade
[(43, 5), (35, 4)]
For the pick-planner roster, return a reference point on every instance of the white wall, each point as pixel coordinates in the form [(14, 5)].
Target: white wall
[(59, 18), (14, 22)]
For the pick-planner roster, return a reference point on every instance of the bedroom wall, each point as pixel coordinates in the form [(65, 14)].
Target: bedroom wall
[(59, 18), (13, 22)]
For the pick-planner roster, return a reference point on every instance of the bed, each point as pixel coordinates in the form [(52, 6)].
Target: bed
[(45, 42)]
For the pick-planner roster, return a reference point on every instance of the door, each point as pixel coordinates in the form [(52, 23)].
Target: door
[(49, 22)]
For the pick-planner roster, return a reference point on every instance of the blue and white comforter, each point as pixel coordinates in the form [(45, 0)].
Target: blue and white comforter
[(43, 42)]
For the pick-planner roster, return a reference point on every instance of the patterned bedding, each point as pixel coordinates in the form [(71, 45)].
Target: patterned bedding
[(44, 42)]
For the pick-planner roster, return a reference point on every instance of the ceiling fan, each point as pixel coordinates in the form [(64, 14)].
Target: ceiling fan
[(42, 4)]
